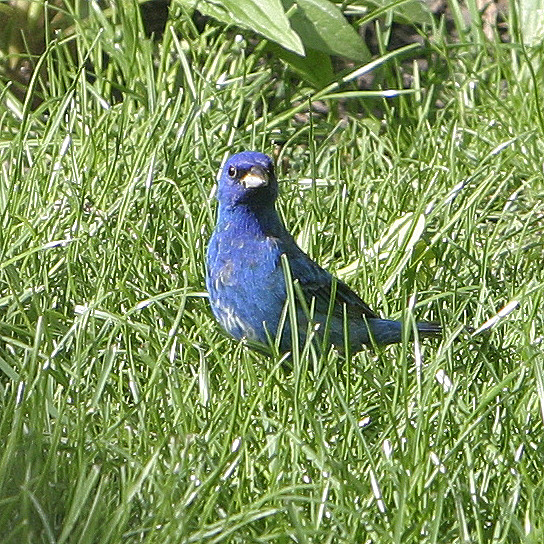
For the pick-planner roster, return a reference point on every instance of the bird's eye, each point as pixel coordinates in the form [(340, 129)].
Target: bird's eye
[(232, 171)]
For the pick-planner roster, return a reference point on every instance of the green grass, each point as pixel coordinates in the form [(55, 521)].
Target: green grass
[(126, 416)]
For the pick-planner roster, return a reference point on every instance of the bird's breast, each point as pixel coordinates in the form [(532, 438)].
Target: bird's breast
[(226, 273), (246, 284)]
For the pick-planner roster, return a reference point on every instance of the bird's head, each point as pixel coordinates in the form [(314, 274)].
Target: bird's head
[(248, 179)]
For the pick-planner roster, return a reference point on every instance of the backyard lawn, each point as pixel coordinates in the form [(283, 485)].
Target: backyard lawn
[(415, 175)]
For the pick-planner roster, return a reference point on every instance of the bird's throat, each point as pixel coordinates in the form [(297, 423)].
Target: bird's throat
[(258, 220)]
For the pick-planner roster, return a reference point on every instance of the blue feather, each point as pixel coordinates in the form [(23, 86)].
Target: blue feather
[(245, 276)]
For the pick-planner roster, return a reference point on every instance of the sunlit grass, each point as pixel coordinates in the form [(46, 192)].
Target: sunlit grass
[(128, 417)]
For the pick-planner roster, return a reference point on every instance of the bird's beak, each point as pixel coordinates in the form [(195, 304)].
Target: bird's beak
[(255, 177)]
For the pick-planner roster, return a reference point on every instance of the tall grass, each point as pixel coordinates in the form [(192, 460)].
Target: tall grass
[(126, 416)]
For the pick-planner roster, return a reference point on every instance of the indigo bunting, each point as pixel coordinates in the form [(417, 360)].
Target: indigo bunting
[(246, 280)]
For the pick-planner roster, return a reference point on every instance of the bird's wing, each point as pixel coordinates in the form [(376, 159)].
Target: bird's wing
[(316, 283)]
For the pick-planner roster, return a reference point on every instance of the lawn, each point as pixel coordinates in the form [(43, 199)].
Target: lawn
[(127, 416)]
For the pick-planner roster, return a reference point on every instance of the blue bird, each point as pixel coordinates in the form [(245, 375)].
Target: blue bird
[(245, 276)]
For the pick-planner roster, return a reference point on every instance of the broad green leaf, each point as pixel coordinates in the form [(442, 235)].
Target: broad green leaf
[(315, 67), (411, 11), (531, 21), (322, 26), (415, 12), (265, 17)]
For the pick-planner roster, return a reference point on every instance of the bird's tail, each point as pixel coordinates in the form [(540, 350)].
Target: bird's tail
[(429, 329), (386, 331)]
